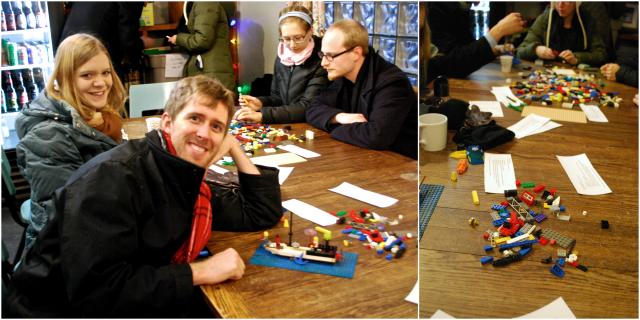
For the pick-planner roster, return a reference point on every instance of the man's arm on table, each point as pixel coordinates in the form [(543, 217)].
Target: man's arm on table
[(256, 204)]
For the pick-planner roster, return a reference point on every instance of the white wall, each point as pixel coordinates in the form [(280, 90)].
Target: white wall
[(258, 38)]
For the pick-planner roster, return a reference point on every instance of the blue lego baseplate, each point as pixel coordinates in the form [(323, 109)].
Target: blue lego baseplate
[(429, 196), (344, 268)]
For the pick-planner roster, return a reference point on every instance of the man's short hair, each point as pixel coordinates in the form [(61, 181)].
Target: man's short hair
[(209, 91), (355, 35)]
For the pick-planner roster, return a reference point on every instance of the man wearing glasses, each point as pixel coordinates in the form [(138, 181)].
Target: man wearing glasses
[(370, 103)]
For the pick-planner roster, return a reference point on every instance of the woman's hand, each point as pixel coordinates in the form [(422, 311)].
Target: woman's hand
[(569, 57), (545, 53), (250, 102), (172, 39), (609, 71), (248, 115)]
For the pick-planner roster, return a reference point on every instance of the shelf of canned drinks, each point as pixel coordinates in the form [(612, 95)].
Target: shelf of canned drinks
[(28, 66), (25, 53), (21, 32)]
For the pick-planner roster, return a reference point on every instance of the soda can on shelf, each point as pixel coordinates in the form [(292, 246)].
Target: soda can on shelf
[(11, 54), (22, 55)]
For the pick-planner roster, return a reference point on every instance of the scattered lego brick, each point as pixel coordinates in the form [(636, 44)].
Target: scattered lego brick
[(562, 240), (604, 224)]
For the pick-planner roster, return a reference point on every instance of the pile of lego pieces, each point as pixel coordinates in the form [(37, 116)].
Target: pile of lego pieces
[(517, 229), (256, 136), (548, 87), (370, 228)]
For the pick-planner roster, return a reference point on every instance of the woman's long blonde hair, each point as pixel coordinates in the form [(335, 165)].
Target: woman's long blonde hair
[(72, 53)]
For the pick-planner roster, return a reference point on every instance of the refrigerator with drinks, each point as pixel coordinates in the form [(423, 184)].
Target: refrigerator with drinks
[(27, 60)]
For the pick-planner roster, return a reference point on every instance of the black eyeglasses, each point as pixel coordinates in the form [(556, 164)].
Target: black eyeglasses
[(330, 56)]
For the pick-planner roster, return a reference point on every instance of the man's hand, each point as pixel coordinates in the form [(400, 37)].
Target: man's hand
[(635, 99), (251, 102), (509, 25), (609, 71), (222, 266), (172, 39), (545, 53), (569, 57), (228, 143), (248, 115), (346, 118)]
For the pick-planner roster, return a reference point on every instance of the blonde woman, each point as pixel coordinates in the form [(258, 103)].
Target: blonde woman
[(75, 118), (297, 74)]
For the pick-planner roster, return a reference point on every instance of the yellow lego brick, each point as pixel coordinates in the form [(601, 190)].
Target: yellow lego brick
[(474, 195)]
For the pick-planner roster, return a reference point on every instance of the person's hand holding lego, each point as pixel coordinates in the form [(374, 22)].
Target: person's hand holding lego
[(545, 53), (251, 102), (609, 71), (220, 267), (511, 24), (569, 57)]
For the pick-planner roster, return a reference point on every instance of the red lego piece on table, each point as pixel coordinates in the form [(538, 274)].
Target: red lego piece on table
[(518, 183), (552, 242), (355, 217), (485, 236), (527, 198), (538, 188), (553, 191), (543, 241), (504, 203)]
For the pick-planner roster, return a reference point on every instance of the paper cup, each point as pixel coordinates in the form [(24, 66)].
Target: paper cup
[(152, 123), (505, 63), (433, 131)]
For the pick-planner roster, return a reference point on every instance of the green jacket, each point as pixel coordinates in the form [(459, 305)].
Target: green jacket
[(54, 142), (591, 49), (208, 37)]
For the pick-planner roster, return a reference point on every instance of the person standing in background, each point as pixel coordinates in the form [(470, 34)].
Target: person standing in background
[(116, 24), (207, 42)]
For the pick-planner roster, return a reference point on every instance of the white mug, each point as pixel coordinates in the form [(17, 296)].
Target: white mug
[(433, 131), (152, 123)]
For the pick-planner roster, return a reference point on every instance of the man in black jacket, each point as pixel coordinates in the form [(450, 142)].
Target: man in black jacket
[(121, 242), (370, 103)]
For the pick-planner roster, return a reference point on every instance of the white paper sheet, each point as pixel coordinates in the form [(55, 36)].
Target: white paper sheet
[(376, 199), (279, 159), (174, 64), (489, 106), (528, 125), (284, 173), (593, 113), (564, 72), (583, 175), (499, 174), (558, 309), (414, 294), (505, 96), (309, 212), (218, 169), (439, 314), (546, 127), (299, 151)]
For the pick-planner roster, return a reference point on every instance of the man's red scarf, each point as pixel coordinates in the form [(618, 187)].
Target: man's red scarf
[(201, 224)]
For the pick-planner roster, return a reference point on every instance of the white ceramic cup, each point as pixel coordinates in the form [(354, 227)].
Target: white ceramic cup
[(433, 131), (152, 123), (505, 63)]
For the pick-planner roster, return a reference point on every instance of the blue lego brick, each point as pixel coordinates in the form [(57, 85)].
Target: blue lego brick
[(560, 262), (557, 271), (540, 217), (524, 251), (497, 223), (517, 244), (486, 259), (488, 247)]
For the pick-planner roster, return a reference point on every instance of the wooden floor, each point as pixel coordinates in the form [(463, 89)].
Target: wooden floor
[(451, 276)]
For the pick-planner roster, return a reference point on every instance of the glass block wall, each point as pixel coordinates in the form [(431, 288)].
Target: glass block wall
[(392, 25)]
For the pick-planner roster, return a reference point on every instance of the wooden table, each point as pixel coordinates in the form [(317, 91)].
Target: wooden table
[(379, 286), (451, 276)]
